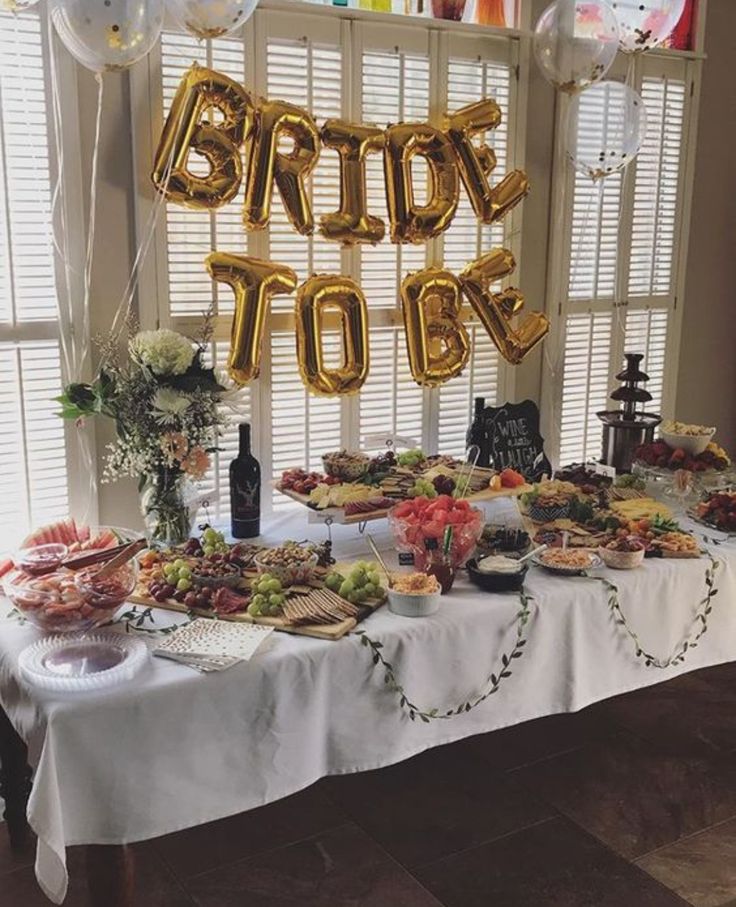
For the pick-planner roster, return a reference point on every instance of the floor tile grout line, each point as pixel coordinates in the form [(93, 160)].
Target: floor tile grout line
[(688, 837), (262, 853)]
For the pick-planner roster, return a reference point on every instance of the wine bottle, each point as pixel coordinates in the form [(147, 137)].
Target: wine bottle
[(476, 435), (245, 490)]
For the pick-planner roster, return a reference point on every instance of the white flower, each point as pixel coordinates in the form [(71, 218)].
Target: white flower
[(169, 405), (164, 352)]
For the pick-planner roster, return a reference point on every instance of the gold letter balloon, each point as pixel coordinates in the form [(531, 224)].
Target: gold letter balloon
[(477, 162), (200, 90), (315, 297), (254, 283), (352, 223), (412, 223), (277, 119), (496, 310), (436, 338)]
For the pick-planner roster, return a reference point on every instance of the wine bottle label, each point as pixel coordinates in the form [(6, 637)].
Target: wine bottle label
[(245, 498)]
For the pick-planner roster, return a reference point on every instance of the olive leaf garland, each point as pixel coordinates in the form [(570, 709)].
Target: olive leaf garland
[(495, 680), (690, 640)]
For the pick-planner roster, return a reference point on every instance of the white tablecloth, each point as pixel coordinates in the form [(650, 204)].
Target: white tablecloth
[(175, 748)]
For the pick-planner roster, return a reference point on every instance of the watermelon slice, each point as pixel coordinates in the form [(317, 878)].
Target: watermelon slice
[(67, 532), (6, 566)]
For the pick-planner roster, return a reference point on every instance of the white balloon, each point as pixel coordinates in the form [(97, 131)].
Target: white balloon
[(575, 43), (211, 18), (645, 24), (16, 6), (606, 128), (107, 35)]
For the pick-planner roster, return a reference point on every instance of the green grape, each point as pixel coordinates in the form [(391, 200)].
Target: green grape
[(374, 578), (346, 588), (169, 569), (274, 585), (357, 577), (259, 600), (265, 576), (333, 581), (208, 550), (185, 572), (179, 563), (273, 610), (210, 534), (369, 589), (263, 587), (184, 585), (275, 601), (380, 592), (355, 597), (254, 609)]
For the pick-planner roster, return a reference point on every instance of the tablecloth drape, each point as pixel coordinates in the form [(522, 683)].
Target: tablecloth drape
[(175, 748)]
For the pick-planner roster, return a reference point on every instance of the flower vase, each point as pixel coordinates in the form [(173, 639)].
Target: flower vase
[(168, 506)]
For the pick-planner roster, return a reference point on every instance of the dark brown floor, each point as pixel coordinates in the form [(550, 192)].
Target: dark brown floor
[(631, 803)]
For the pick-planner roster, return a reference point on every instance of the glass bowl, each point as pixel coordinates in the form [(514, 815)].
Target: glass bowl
[(68, 601), (410, 534)]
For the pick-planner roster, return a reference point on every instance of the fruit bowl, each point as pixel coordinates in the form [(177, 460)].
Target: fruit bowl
[(420, 519), (692, 444), (68, 601)]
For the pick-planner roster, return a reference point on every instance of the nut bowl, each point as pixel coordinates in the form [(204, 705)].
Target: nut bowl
[(627, 557), (289, 573), (345, 465)]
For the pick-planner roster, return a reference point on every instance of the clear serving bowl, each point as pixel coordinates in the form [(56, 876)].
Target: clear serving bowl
[(410, 536), (68, 601)]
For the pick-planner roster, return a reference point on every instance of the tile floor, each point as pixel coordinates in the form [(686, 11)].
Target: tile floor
[(631, 803)]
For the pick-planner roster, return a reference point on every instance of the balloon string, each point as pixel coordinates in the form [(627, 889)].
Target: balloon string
[(91, 228)]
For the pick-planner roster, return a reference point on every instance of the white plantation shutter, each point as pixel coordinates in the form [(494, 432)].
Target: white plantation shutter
[(585, 384), (360, 72), (622, 269), (470, 76), (33, 455), (190, 236)]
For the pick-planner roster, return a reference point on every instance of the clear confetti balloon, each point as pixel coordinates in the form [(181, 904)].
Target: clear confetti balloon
[(16, 6), (606, 128), (107, 35), (211, 18), (645, 24), (575, 43)]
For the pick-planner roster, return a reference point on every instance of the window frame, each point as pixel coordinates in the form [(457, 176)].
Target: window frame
[(355, 30), (558, 304), (69, 212)]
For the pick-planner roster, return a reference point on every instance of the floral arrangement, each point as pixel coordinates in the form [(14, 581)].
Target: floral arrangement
[(165, 405)]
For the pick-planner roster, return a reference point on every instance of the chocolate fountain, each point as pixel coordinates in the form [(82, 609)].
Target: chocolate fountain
[(625, 429)]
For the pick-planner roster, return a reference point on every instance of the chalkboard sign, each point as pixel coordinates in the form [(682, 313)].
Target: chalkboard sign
[(514, 440)]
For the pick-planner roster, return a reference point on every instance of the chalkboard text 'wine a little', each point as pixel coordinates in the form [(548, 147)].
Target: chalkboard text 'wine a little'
[(245, 490)]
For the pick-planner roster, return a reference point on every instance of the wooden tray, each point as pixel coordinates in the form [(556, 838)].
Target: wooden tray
[(337, 514), (317, 631)]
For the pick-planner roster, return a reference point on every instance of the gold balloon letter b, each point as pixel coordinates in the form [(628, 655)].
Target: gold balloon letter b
[(254, 282), (436, 338), (200, 90), (321, 292)]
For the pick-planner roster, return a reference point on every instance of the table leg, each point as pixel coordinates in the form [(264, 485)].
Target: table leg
[(15, 781), (110, 875)]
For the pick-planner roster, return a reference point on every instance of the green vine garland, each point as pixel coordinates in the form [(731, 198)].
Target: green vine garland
[(695, 631), (495, 680)]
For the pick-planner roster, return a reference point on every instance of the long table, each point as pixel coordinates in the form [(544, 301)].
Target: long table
[(175, 748)]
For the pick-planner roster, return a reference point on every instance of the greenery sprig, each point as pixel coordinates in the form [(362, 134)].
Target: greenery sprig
[(135, 620), (492, 683), (694, 632)]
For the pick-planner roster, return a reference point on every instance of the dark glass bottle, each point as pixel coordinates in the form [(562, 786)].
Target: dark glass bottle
[(476, 435), (245, 490)]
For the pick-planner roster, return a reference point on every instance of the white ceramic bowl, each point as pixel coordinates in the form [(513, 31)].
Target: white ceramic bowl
[(411, 605), (691, 444), (621, 560)]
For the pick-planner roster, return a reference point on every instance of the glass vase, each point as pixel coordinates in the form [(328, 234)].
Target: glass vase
[(168, 506)]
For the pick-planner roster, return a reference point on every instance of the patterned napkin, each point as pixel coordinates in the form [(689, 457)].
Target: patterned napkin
[(213, 645)]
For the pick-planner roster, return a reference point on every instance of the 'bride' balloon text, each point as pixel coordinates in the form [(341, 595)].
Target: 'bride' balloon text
[(437, 340)]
